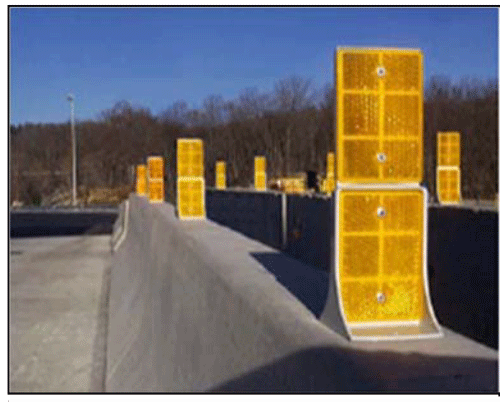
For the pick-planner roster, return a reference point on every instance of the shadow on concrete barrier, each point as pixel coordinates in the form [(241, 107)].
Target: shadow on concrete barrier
[(293, 372), (194, 306), (462, 253), (307, 284)]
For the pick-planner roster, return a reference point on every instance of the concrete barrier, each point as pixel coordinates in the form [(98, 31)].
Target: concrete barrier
[(462, 253), (195, 307)]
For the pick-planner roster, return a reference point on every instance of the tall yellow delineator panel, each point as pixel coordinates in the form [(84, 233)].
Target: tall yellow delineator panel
[(380, 207), (328, 184), (448, 168), (260, 178), (190, 179), (220, 175), (155, 179), (141, 180)]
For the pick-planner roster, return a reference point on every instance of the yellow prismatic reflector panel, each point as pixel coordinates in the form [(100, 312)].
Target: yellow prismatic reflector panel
[(328, 185), (330, 164), (448, 149), (260, 164), (379, 115), (141, 180), (260, 181), (260, 178), (448, 185), (155, 167), (191, 198), (155, 190), (220, 175), (381, 255), (190, 157)]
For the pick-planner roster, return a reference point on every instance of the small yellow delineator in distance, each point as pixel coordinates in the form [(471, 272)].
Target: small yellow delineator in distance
[(140, 180), (156, 190), (190, 179), (220, 175), (448, 168), (260, 178)]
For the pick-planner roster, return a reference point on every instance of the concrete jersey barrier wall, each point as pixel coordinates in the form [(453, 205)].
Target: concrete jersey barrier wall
[(194, 307), (462, 251)]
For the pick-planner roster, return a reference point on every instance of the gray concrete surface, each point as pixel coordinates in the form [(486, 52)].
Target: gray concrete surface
[(462, 252), (193, 306), (57, 313)]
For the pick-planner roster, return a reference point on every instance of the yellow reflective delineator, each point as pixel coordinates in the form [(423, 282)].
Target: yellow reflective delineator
[(379, 116), (190, 179), (156, 190), (330, 165), (155, 167), (328, 185), (448, 184), (381, 215), (220, 175), (260, 177), (155, 179), (381, 235), (191, 198), (141, 180), (448, 149)]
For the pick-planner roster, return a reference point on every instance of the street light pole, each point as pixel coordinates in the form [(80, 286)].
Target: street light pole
[(73, 140)]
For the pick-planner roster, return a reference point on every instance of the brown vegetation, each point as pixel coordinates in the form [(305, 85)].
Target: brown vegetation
[(293, 127)]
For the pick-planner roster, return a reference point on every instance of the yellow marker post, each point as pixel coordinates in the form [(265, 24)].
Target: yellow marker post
[(448, 168), (155, 175), (329, 181), (141, 180), (330, 164), (448, 185), (381, 209), (220, 175), (190, 179), (260, 180)]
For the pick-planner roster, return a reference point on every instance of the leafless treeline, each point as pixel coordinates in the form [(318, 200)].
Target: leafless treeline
[(293, 126)]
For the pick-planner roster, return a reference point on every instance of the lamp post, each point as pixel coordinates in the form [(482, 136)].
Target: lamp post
[(73, 140)]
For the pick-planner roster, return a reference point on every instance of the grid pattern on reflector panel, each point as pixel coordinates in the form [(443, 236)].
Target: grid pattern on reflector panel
[(379, 116), (156, 190), (190, 157), (190, 179), (191, 198), (448, 185), (381, 255), (448, 149), (155, 167)]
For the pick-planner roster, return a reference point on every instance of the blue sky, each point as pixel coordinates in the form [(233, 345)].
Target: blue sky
[(153, 57)]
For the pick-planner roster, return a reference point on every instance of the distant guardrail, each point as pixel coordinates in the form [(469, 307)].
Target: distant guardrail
[(33, 222)]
